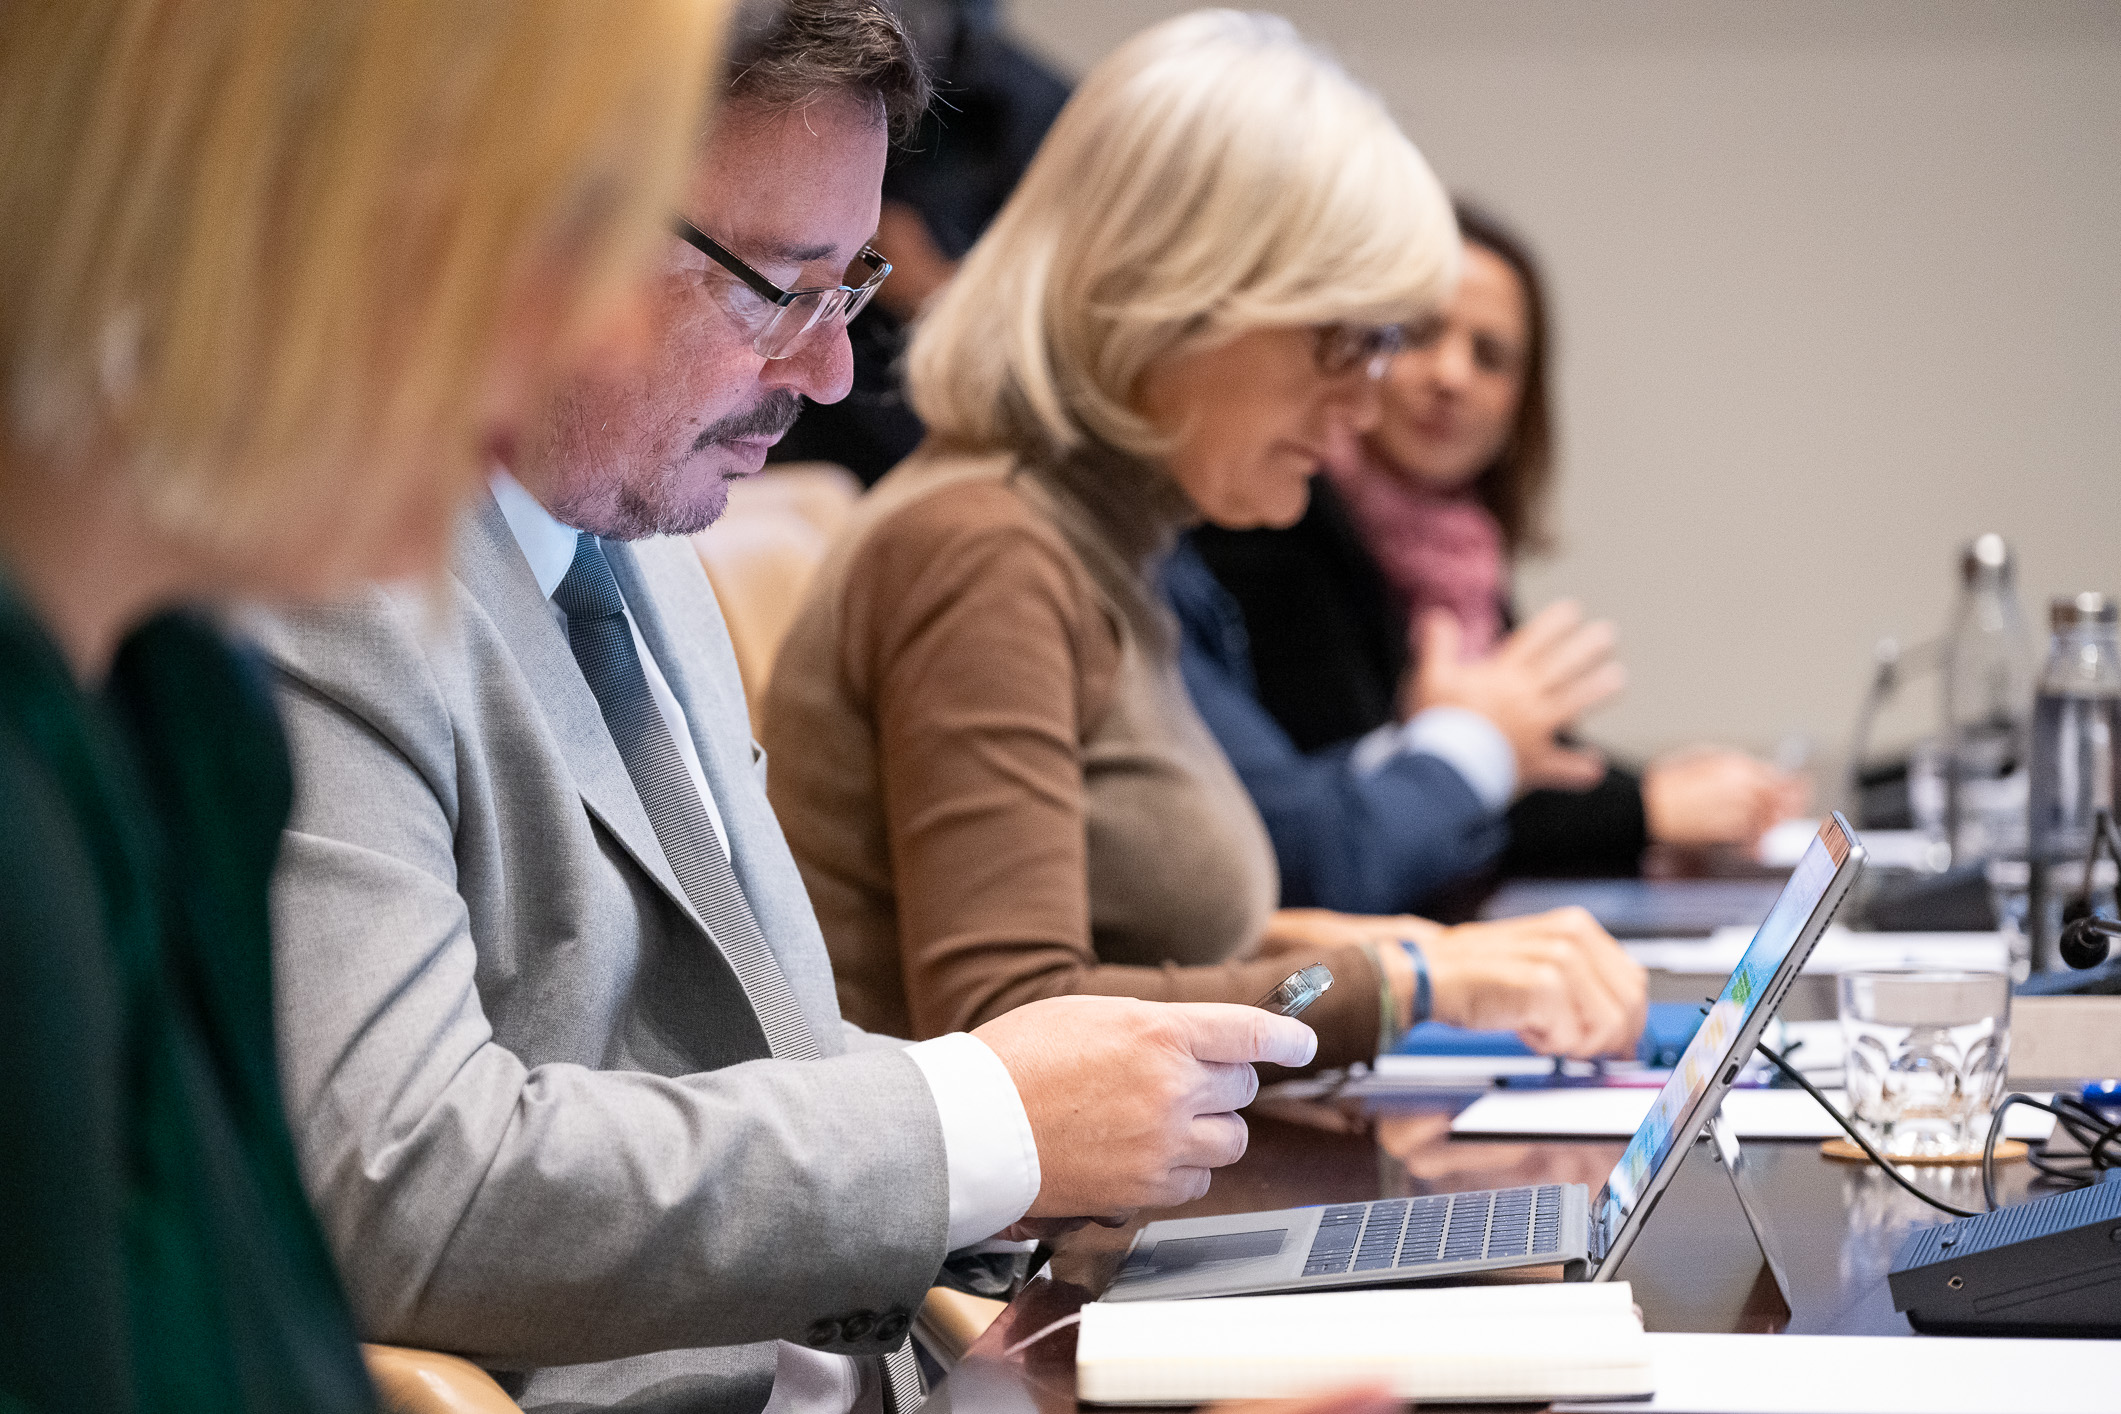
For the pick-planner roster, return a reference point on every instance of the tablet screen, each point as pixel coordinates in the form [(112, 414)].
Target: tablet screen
[(1710, 1052)]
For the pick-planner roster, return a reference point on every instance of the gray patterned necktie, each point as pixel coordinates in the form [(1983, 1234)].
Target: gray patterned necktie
[(602, 641), (603, 645)]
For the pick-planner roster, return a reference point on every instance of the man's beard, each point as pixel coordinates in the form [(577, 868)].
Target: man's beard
[(661, 510)]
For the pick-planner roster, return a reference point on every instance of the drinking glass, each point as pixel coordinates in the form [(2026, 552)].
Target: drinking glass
[(1926, 1056)]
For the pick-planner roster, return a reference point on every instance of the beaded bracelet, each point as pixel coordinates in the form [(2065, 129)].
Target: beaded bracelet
[(1387, 1014)]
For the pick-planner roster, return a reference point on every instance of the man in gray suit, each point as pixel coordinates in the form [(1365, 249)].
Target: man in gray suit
[(562, 1051)]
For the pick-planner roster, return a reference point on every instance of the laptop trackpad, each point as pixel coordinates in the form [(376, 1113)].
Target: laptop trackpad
[(1183, 1254)]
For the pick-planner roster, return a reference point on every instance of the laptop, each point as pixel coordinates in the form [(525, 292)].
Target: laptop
[(1447, 1235), (1642, 908)]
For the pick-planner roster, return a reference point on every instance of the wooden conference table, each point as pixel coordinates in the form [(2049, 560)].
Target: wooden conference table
[(1832, 1228)]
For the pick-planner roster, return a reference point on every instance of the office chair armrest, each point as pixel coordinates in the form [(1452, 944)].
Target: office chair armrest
[(429, 1382), (949, 1321)]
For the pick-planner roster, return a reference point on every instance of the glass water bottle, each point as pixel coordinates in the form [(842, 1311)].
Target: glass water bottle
[(2076, 766), (1987, 698)]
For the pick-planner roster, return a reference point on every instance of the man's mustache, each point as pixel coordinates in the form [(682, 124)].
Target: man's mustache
[(770, 416)]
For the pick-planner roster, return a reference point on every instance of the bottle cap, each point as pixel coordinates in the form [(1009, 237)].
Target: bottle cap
[(2076, 610), (1985, 556)]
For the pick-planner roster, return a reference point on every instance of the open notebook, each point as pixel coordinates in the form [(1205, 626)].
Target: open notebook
[(1525, 1344)]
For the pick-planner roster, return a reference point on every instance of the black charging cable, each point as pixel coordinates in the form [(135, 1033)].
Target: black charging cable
[(2099, 1135), (1865, 1145)]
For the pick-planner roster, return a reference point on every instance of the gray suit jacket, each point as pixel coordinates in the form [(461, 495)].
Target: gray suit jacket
[(524, 1084)]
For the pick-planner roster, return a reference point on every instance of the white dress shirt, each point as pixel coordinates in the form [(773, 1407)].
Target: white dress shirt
[(1461, 738), (989, 1150)]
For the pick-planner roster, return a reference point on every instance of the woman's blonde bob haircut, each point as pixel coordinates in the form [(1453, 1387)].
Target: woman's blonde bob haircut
[(1213, 176), (255, 252)]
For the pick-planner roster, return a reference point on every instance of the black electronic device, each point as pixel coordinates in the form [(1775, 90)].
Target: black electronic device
[(2050, 1267)]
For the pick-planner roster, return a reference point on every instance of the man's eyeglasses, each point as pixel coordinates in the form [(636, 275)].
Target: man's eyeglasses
[(779, 328), (1343, 348)]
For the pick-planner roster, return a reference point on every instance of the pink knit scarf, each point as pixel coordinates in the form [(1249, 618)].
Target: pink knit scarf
[(1440, 550)]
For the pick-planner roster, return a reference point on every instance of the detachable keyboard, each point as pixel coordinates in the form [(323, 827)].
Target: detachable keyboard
[(1388, 1240)]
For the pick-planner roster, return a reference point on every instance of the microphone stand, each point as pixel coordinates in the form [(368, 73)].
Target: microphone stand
[(2085, 935), (1892, 665)]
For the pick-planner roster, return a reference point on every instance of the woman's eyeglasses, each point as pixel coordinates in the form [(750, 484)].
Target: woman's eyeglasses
[(1343, 348), (778, 329)]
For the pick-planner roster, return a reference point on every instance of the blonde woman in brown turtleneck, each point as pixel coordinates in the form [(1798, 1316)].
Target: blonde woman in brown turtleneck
[(982, 753)]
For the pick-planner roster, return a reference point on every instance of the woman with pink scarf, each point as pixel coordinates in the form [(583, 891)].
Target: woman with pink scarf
[(1391, 599)]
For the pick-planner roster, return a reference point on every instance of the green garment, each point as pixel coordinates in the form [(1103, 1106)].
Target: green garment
[(156, 1251)]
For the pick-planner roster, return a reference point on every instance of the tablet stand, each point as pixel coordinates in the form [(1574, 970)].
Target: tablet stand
[(1687, 1271)]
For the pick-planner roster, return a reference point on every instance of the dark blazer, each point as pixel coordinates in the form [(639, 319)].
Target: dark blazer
[(156, 1252), (1382, 841), (1329, 648), (995, 101)]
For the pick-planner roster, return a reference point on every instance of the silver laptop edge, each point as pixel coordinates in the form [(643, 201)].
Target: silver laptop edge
[(1257, 1252), (1846, 854)]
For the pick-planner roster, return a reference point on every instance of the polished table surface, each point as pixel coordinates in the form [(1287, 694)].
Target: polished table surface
[(1831, 1227)]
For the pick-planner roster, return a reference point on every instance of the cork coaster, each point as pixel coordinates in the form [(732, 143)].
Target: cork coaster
[(2007, 1151)]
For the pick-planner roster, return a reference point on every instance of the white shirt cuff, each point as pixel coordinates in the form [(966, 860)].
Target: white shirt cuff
[(1462, 739), (989, 1149), (807, 1381)]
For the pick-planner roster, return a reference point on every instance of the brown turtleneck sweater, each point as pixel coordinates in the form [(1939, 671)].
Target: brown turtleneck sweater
[(990, 772)]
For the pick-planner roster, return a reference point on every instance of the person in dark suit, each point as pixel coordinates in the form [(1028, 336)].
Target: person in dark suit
[(995, 101), (1390, 590)]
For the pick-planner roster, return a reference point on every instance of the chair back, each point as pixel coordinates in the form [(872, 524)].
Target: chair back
[(761, 555)]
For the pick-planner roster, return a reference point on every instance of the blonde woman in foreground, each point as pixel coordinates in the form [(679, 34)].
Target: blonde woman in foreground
[(277, 278), (983, 756)]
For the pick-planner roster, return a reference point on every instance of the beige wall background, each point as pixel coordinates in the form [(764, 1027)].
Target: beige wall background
[(1838, 286)]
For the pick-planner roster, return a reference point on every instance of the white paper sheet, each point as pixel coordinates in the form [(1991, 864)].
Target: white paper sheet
[(1615, 1113), (1841, 1374), (1839, 950)]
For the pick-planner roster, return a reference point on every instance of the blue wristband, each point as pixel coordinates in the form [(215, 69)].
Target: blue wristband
[(1424, 1001)]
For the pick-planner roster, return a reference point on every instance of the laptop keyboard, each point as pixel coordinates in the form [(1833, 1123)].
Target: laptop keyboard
[(1447, 1227)]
